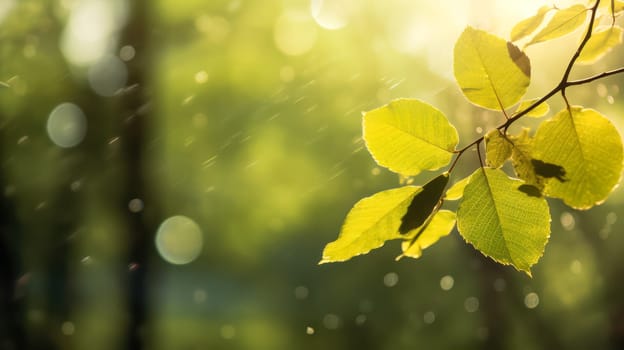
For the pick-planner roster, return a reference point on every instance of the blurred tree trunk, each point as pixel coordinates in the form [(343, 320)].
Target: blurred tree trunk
[(135, 108)]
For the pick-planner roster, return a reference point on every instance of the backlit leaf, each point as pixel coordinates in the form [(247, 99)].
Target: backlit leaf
[(600, 43), (588, 147), (490, 71), (563, 22), (440, 225), (502, 221), (423, 204), (527, 26), (521, 159), (457, 190), (408, 136), (618, 6), (539, 111), (370, 223), (497, 149)]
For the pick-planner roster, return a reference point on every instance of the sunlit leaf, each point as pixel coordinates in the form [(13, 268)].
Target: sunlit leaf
[(618, 6), (539, 111), (408, 136), (490, 71), (601, 42), (370, 223), (497, 149), (502, 221), (423, 204), (457, 190), (440, 225), (527, 26), (563, 22), (588, 147), (521, 159)]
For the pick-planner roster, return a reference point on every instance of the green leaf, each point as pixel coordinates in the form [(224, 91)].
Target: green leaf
[(539, 111), (600, 43), (457, 190), (522, 160), (423, 204), (408, 136), (563, 22), (588, 147), (497, 149), (527, 26), (503, 222), (370, 223), (491, 72), (439, 226)]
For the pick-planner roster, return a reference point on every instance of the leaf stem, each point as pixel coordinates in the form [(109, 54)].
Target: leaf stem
[(560, 88)]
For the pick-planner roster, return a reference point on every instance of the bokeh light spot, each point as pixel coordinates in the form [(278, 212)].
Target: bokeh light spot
[(447, 282), (108, 76), (332, 14), (294, 33), (179, 240), (531, 300), (66, 125)]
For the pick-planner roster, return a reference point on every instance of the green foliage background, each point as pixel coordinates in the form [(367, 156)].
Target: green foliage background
[(266, 157)]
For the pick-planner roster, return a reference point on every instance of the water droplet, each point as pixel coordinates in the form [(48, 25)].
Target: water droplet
[(479, 130), (228, 331), (610, 100), (391, 279), (127, 53), (471, 304), (179, 240), (567, 221), (301, 292), (135, 205), (576, 267), (375, 171), (67, 125), (429, 317), (86, 260), (331, 321), (447, 282), (309, 330), (68, 328), (531, 300), (23, 140)]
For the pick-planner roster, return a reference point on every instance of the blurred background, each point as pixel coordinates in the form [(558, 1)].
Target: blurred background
[(171, 171)]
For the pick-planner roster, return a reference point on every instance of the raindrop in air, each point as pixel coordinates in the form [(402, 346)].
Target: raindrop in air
[(331, 321), (179, 240), (127, 53), (309, 330), (135, 205), (429, 317), (66, 125), (567, 221)]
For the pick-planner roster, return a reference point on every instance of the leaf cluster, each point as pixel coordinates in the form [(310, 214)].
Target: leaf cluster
[(576, 155)]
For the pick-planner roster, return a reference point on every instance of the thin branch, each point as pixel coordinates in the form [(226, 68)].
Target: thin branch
[(560, 88)]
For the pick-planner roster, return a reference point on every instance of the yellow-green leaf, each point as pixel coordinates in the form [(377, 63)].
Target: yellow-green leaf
[(423, 204), (490, 71), (497, 149), (440, 225), (527, 26), (563, 22), (370, 223), (408, 136), (503, 222), (457, 190), (521, 159), (612, 6), (588, 147), (539, 111), (600, 43)]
